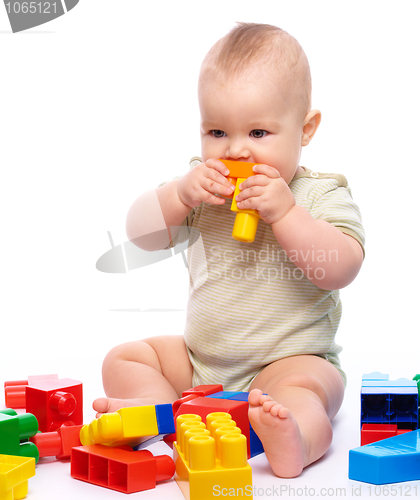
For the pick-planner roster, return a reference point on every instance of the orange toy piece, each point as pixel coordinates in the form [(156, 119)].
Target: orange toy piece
[(246, 221)]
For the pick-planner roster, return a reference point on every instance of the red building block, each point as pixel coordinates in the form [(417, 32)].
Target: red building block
[(196, 392), (371, 433), (204, 390), (55, 402), (203, 406), (15, 393), (58, 443), (15, 390), (120, 468)]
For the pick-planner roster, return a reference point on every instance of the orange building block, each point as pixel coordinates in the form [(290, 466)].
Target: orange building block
[(246, 221)]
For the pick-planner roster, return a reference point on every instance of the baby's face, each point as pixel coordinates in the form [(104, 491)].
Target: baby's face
[(251, 120)]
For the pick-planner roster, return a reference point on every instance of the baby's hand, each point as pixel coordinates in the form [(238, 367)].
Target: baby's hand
[(203, 182), (267, 192)]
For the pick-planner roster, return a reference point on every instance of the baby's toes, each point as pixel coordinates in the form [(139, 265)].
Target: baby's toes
[(254, 397), (268, 405)]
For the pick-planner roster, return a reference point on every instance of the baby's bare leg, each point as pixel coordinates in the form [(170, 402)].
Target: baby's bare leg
[(150, 371), (293, 421)]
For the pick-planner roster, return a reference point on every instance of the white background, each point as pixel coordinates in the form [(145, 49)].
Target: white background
[(100, 105)]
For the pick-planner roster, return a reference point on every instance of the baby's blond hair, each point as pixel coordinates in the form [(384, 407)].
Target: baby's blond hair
[(248, 46)]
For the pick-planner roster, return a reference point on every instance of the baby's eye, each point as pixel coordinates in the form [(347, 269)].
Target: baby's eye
[(258, 133), (218, 133)]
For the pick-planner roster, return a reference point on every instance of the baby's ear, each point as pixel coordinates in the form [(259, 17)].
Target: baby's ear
[(310, 125)]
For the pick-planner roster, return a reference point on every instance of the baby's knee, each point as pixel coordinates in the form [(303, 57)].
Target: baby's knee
[(129, 351), (304, 380)]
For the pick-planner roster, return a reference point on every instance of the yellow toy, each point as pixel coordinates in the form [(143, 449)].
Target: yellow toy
[(125, 426), (246, 221), (211, 460), (14, 475)]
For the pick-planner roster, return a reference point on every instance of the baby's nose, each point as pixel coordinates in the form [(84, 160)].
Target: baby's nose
[(237, 150)]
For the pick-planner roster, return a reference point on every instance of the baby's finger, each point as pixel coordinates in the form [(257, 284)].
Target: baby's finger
[(218, 166), (266, 170), (254, 180), (217, 174), (209, 197), (251, 192), (213, 185)]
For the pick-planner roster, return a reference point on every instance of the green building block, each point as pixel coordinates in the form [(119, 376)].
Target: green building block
[(417, 379), (15, 430)]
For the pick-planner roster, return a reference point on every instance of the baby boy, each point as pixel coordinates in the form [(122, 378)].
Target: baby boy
[(261, 316)]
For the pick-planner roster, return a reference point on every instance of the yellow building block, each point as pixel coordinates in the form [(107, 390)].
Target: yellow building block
[(211, 460), (246, 221), (14, 475), (125, 426)]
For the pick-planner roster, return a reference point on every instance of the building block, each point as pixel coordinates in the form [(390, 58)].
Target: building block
[(176, 404), (54, 402), (15, 393), (384, 401), (237, 409), (165, 419), (127, 425), (211, 459), (246, 221), (255, 444), (223, 395), (375, 376), (120, 469), (15, 430), (371, 433), (391, 460), (14, 474), (203, 390), (58, 443), (15, 390), (240, 396)]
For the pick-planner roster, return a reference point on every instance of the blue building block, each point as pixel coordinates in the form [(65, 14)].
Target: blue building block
[(240, 396), (375, 376), (385, 401), (166, 425), (165, 419), (224, 395), (255, 443), (391, 460)]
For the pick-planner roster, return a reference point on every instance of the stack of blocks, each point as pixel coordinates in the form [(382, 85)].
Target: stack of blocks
[(211, 459), (388, 408), (207, 457), (205, 399), (385, 401)]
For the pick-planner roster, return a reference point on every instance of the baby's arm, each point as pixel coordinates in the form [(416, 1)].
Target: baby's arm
[(152, 218), (329, 258)]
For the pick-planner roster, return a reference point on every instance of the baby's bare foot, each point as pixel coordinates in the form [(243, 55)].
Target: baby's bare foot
[(279, 434), (110, 405)]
